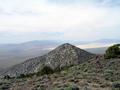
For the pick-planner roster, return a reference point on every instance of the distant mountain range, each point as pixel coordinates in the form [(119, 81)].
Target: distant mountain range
[(11, 54), (107, 41), (62, 56)]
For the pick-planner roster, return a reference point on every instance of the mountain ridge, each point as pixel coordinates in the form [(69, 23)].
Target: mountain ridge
[(64, 55)]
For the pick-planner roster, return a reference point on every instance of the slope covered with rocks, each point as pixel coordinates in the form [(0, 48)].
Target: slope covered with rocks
[(90, 75), (63, 56)]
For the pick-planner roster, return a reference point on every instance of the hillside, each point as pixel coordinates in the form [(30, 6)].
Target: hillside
[(80, 70), (63, 56), (102, 74)]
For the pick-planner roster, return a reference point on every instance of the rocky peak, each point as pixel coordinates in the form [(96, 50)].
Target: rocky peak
[(62, 56), (66, 55), (66, 45)]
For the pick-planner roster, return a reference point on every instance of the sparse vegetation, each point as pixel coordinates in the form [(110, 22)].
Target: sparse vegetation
[(85, 76)]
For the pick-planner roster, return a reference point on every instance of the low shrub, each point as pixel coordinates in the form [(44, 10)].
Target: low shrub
[(72, 88), (7, 77), (113, 51), (116, 85), (45, 70)]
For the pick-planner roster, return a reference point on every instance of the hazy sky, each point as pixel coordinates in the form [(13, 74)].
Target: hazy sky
[(25, 20)]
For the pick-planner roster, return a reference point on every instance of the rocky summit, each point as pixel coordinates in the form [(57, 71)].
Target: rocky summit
[(62, 56)]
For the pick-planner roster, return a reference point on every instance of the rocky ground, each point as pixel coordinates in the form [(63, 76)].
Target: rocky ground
[(103, 74)]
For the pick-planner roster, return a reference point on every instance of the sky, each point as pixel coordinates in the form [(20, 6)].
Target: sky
[(77, 20)]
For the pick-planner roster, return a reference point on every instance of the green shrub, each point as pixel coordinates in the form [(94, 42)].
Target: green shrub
[(116, 85), (113, 51), (7, 77), (45, 70), (72, 88), (21, 76)]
